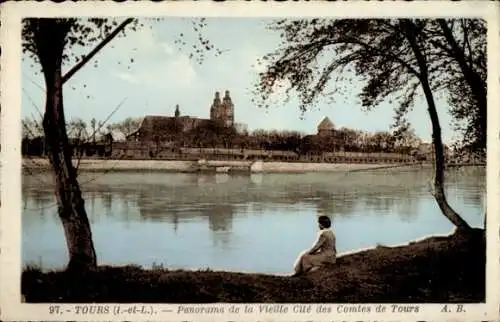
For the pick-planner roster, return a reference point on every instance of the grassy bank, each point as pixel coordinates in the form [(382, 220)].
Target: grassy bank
[(437, 269)]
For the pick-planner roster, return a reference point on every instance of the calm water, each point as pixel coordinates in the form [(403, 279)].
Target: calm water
[(253, 223)]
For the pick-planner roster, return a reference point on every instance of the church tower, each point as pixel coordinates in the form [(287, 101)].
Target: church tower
[(215, 108), (222, 111), (228, 108)]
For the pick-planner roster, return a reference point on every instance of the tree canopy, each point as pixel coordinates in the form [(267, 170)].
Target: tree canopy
[(322, 57), (396, 59)]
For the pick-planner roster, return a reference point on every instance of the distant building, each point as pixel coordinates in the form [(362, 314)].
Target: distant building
[(116, 136), (325, 139), (222, 111), (156, 127), (325, 127)]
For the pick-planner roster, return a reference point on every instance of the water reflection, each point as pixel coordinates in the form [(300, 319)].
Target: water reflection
[(154, 206), (219, 215), (217, 197)]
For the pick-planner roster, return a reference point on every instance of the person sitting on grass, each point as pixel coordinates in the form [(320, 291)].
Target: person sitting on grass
[(324, 250)]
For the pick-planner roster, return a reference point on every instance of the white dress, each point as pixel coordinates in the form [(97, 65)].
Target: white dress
[(324, 251)]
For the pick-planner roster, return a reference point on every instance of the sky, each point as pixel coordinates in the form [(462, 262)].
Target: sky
[(162, 75)]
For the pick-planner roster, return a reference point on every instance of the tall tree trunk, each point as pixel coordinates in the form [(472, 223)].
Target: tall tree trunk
[(439, 193), (49, 39)]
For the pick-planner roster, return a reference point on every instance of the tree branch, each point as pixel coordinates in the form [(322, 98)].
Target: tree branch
[(103, 43), (391, 56)]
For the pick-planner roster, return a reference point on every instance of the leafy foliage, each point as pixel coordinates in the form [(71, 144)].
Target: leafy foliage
[(211, 134), (468, 119), (468, 106), (84, 33), (318, 52), (80, 33), (126, 126), (202, 45), (321, 58)]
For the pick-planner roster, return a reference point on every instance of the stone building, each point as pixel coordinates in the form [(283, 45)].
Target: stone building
[(155, 127), (325, 127), (166, 128), (222, 111)]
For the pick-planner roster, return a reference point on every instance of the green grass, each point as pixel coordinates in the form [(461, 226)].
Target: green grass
[(438, 269)]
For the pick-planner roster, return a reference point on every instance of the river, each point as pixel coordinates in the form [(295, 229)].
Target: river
[(250, 223)]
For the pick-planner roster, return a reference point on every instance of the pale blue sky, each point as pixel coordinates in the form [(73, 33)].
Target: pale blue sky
[(162, 76)]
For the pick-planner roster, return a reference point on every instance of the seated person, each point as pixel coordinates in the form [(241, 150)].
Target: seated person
[(324, 250)]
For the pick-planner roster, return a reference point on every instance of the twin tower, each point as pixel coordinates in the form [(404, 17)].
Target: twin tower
[(222, 111)]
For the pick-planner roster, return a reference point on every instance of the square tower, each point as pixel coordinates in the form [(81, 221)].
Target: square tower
[(222, 111)]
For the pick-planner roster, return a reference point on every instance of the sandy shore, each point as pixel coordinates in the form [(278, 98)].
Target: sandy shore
[(192, 166)]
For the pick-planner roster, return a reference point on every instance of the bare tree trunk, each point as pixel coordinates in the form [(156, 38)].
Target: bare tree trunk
[(49, 38), (439, 161), (439, 194)]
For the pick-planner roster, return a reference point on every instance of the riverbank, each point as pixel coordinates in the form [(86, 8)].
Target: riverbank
[(433, 270), (100, 165)]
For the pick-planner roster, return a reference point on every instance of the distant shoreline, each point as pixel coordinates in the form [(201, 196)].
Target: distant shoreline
[(99, 165)]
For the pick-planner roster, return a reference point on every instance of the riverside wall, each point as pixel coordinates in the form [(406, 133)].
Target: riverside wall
[(33, 164)]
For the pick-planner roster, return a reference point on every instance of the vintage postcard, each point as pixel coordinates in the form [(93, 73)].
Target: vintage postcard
[(249, 161)]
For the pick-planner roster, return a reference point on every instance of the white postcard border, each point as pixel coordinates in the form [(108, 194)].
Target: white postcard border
[(10, 222)]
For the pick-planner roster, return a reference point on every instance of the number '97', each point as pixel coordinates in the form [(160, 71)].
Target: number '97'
[(54, 309)]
